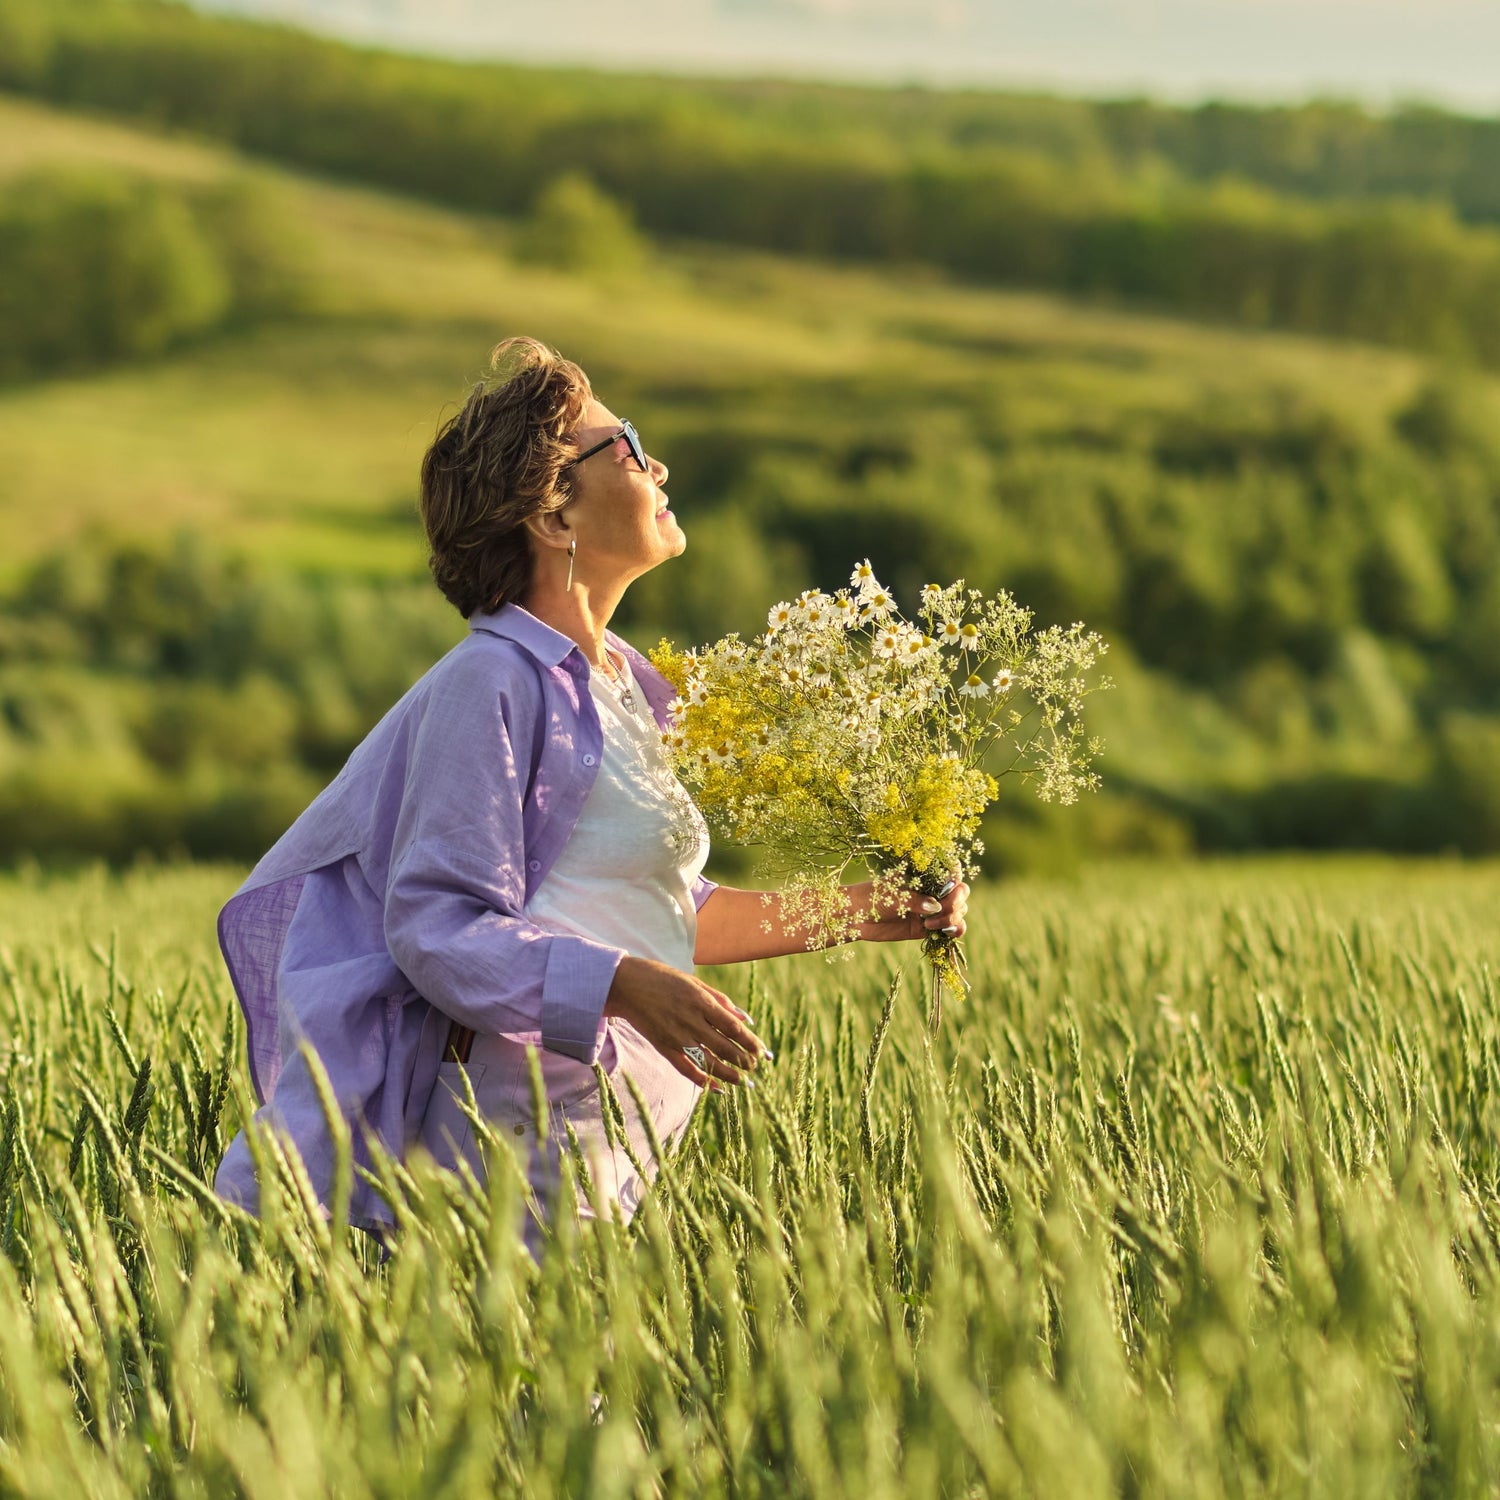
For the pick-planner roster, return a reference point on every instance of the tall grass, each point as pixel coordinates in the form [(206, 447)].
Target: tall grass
[(1198, 1197)]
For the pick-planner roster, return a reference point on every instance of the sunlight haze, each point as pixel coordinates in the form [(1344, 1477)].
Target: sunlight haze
[(1377, 50)]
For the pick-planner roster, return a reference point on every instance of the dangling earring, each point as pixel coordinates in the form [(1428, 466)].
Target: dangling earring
[(572, 550)]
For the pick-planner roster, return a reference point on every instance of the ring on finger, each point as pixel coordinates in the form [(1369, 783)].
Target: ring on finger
[(698, 1055)]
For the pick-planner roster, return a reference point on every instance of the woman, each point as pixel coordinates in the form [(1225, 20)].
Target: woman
[(506, 861)]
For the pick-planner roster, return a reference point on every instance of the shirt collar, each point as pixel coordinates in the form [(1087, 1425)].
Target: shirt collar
[(513, 623)]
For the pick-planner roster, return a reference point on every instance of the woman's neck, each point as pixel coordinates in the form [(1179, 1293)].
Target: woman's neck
[(578, 613)]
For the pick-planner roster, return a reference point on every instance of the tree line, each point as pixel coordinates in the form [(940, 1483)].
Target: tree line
[(1213, 212)]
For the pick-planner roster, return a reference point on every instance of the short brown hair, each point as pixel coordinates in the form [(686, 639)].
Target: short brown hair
[(496, 462)]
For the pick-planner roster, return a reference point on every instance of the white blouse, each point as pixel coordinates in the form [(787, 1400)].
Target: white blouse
[(625, 876)]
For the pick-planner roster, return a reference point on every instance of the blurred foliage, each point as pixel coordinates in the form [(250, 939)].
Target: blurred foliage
[(99, 266), (575, 227), (1302, 619), (1324, 219), (179, 701)]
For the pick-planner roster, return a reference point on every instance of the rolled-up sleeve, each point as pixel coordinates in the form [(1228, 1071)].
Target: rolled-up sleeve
[(454, 902)]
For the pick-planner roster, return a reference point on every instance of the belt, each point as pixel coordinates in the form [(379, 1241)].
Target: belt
[(460, 1040)]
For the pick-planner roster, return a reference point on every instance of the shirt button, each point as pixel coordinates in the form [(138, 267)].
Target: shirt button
[(533, 865), (520, 1130), (588, 760)]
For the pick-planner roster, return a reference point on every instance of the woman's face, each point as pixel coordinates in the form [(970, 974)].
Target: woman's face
[(619, 516)]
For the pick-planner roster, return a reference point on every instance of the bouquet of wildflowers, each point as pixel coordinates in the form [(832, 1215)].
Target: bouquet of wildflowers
[(847, 732)]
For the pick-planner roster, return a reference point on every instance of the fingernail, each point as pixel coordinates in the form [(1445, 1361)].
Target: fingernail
[(930, 906), (947, 888), (950, 930), (748, 1082), (745, 1016), (766, 1052)]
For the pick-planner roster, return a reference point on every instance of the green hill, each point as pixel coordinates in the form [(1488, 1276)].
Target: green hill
[(1294, 544), (299, 441)]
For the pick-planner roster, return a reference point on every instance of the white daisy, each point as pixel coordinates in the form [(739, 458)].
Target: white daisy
[(949, 633), (932, 596), (974, 686), (1005, 680), (969, 636), (780, 617), (887, 642), (863, 576), (812, 605)]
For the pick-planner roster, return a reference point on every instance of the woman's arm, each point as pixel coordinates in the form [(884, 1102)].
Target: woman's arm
[(732, 923)]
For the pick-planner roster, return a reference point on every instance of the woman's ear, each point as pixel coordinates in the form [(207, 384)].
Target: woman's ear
[(550, 528)]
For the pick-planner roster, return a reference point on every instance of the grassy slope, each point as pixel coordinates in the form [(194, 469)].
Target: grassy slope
[(301, 441)]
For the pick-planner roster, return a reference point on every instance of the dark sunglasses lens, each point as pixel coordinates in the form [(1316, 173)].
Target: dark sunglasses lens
[(636, 451)]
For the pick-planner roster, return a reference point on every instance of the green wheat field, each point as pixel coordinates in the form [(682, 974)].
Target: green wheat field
[(1196, 1196)]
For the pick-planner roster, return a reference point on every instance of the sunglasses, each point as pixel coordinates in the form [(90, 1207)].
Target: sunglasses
[(631, 436)]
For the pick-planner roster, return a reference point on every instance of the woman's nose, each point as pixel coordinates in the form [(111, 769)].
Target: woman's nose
[(659, 470)]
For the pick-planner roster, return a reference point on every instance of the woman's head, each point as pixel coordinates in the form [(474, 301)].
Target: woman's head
[(510, 503), (498, 463)]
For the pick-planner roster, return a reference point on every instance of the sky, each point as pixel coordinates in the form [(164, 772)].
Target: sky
[(1381, 51)]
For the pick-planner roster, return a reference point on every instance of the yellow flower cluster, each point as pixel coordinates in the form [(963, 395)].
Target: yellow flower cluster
[(674, 665), (928, 821), (729, 739)]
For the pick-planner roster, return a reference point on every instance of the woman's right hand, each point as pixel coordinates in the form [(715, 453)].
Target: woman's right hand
[(673, 1011)]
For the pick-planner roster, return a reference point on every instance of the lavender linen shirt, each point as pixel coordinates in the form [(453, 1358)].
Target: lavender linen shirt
[(417, 861)]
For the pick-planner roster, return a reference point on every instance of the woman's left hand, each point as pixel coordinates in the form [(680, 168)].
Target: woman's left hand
[(911, 914)]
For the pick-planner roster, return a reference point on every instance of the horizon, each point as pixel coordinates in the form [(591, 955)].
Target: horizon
[(1380, 55)]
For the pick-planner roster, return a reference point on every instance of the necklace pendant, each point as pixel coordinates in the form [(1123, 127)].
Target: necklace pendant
[(627, 700)]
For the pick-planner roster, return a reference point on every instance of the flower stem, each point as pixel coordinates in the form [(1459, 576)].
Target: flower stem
[(945, 958)]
